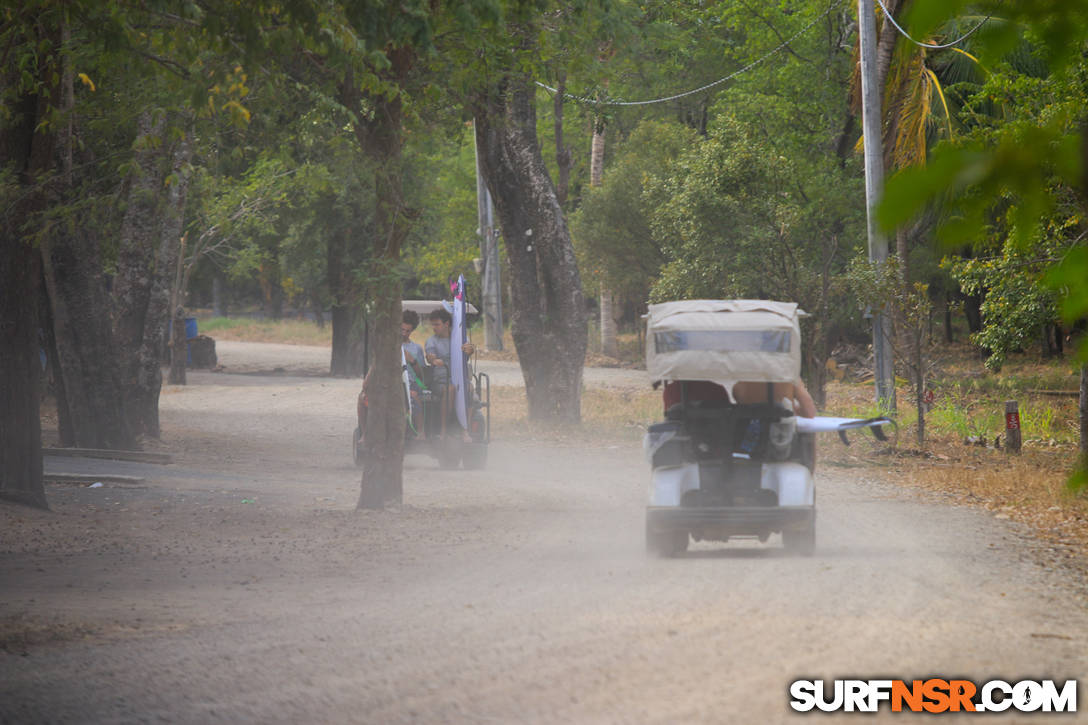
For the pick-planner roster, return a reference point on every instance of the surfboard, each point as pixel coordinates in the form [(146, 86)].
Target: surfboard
[(458, 337), (407, 386), (821, 424)]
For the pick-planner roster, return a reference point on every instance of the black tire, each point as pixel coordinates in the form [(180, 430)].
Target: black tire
[(356, 449), (801, 541), (449, 453), (665, 543), (479, 427), (474, 456)]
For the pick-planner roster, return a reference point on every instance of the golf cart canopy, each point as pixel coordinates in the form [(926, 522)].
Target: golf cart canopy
[(426, 307), (724, 341)]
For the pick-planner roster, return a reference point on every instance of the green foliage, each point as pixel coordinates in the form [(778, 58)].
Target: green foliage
[(738, 223), (1016, 304), (444, 242), (1012, 187), (612, 229)]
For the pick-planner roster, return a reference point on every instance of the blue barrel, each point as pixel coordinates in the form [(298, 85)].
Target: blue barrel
[(190, 333)]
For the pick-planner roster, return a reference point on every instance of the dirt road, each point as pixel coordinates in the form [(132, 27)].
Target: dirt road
[(239, 585)]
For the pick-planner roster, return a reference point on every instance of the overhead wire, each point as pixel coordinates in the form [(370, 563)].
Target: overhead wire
[(700, 89), (931, 46)]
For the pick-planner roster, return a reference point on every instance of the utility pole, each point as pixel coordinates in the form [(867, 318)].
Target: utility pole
[(488, 267), (871, 115)]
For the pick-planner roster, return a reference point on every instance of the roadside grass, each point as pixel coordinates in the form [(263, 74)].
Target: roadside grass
[(249, 329), (609, 416), (961, 459)]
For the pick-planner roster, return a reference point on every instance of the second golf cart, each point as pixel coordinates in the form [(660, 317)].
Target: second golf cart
[(425, 437)]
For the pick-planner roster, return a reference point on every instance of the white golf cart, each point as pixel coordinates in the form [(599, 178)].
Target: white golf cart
[(721, 469), (452, 452)]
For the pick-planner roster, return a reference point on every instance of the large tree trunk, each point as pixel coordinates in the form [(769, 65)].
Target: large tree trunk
[(348, 358), (548, 321), (20, 427), (87, 358), (81, 315), (147, 258), (55, 381), (382, 138), (26, 148)]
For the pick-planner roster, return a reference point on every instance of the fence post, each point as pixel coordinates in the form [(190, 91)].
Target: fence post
[(1012, 426)]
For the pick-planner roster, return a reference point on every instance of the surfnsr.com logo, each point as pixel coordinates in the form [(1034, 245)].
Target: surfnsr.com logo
[(933, 695)]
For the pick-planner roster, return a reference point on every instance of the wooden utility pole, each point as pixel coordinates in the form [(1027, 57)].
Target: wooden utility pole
[(490, 271), (874, 185)]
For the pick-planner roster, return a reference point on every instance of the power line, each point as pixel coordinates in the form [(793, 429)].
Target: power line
[(745, 69), (931, 46)]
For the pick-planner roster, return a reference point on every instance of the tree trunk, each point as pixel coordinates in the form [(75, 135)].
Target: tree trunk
[(147, 259), (972, 310), (220, 305), (920, 406), (1084, 413), (86, 353), (26, 147), (55, 382), (885, 46), (548, 322), (381, 136), (20, 427), (269, 276), (609, 346), (563, 158), (383, 471), (948, 337), (179, 348), (347, 358)]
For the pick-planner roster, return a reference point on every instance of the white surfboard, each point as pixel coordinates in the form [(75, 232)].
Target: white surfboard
[(458, 337), (822, 424), (407, 385)]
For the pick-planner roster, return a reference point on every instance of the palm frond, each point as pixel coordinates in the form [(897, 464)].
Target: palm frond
[(935, 84)]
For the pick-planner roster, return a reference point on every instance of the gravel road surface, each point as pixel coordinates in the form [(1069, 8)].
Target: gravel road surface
[(239, 585)]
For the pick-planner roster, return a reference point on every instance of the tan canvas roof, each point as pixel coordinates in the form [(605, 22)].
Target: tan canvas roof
[(724, 341)]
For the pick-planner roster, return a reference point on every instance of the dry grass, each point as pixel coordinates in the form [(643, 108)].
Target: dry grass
[(608, 416), (245, 329), (1030, 488)]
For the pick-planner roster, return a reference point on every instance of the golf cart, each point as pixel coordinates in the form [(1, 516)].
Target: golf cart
[(453, 451), (721, 469)]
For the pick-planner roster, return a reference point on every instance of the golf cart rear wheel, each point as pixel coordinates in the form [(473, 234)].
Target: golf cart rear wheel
[(665, 543), (474, 456), (801, 541), (449, 453)]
